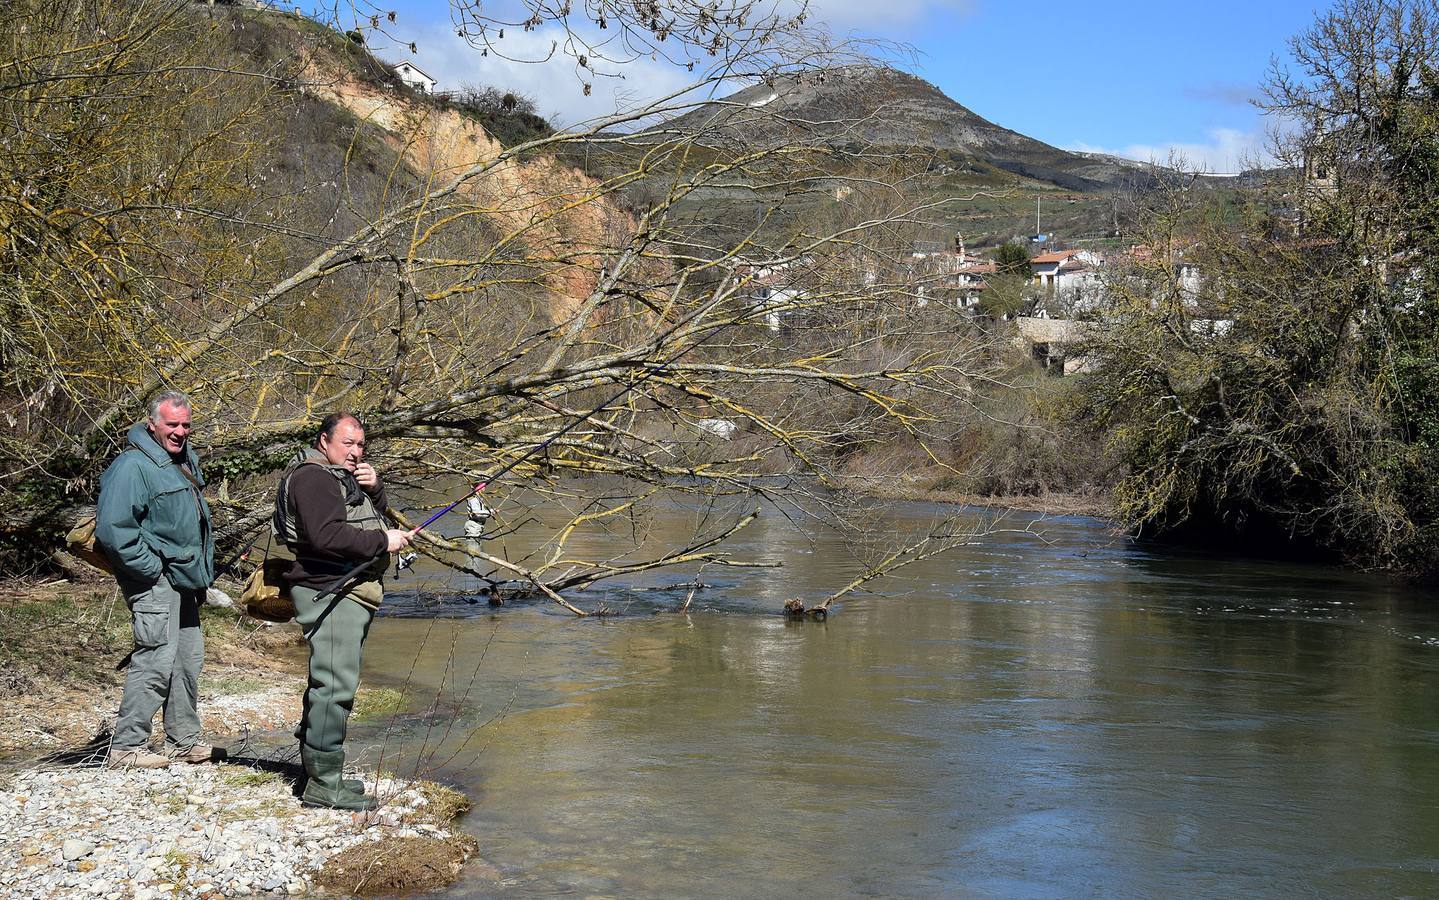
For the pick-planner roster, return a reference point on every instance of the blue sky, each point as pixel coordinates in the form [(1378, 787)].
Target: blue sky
[(1122, 76)]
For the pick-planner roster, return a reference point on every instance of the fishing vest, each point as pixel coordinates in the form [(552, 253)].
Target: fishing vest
[(360, 512)]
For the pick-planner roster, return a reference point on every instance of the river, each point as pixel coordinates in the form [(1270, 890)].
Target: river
[(1046, 712)]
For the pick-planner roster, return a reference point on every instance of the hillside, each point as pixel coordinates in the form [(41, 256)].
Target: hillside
[(869, 106), (431, 140), (282, 230)]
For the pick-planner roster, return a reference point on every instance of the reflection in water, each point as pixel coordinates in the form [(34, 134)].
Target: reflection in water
[(1067, 716)]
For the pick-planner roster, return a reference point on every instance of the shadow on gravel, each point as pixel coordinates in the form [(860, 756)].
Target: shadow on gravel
[(92, 755), (89, 755), (280, 760)]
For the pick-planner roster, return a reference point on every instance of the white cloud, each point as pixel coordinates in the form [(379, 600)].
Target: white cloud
[(556, 84), (1227, 150)]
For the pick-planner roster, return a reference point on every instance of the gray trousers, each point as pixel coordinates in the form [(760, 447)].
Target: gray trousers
[(164, 669)]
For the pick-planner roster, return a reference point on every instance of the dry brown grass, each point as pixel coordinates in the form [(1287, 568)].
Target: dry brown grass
[(933, 488), (396, 865), (444, 804)]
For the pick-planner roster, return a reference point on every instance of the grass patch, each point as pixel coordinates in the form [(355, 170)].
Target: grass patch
[(218, 624), (234, 683), (63, 636), (251, 778), (176, 868), (442, 804), (371, 703), (270, 808), (165, 799)]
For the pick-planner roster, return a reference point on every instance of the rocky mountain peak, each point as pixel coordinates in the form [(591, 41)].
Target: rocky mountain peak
[(878, 106)]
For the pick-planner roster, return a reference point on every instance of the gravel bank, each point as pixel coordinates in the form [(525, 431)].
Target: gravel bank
[(194, 831)]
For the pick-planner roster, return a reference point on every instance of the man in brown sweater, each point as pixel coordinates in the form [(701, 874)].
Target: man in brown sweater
[(329, 510)]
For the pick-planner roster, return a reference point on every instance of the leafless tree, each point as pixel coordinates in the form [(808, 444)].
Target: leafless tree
[(469, 298)]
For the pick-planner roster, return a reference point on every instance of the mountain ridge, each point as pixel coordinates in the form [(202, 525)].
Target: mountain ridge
[(880, 106)]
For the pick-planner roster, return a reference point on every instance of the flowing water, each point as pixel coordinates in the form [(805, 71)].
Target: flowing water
[(1060, 714)]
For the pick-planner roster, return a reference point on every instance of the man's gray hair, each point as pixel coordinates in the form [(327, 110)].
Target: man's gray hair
[(173, 398)]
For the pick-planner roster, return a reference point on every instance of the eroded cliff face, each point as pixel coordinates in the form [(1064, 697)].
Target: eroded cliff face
[(554, 217)]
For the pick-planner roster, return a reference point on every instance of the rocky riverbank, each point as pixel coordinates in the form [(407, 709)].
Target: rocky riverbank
[(216, 831), (71, 828)]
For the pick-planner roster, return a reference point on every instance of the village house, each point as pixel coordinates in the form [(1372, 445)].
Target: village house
[(1187, 278), (1070, 278), (773, 290), (1044, 269), (415, 78), (968, 284), (952, 277)]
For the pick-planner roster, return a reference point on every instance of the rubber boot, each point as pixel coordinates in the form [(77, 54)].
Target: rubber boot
[(325, 787), (353, 785)]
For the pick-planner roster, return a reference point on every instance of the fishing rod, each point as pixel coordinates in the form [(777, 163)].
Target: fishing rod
[(649, 370)]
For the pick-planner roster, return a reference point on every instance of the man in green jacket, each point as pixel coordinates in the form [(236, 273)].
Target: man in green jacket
[(154, 525), (329, 510)]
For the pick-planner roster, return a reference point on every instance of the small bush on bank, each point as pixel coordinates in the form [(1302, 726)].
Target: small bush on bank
[(372, 703), (506, 116)]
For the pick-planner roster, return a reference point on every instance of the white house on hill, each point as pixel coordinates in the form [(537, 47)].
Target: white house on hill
[(775, 291), (418, 79), (1069, 276)]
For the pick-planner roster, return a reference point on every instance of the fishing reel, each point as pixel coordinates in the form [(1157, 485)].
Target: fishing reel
[(403, 561)]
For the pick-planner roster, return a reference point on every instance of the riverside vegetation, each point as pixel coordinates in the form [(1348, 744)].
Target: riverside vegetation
[(1294, 401), (310, 234)]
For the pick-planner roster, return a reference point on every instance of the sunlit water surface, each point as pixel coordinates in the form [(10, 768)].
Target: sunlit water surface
[(1066, 714)]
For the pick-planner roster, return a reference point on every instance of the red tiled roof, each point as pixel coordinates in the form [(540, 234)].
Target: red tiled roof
[(1053, 256)]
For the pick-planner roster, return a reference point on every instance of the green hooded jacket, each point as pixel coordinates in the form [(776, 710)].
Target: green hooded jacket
[(151, 520)]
